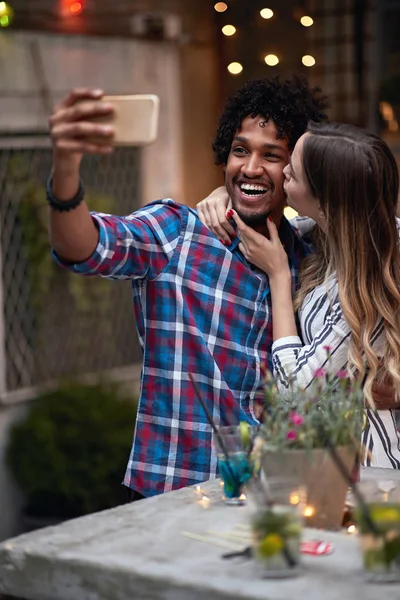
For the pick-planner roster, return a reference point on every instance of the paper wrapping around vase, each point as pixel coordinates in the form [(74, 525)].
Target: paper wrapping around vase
[(326, 487)]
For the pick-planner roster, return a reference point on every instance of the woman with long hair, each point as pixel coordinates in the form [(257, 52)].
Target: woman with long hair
[(348, 304)]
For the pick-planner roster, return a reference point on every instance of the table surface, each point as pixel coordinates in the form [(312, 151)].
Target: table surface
[(139, 551)]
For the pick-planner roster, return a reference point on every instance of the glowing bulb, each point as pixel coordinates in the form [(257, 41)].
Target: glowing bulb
[(235, 68), (204, 501), (4, 21), (271, 60), (76, 8), (306, 21), (294, 498), (221, 7), (309, 511), (267, 13), (308, 60), (3, 8), (229, 30)]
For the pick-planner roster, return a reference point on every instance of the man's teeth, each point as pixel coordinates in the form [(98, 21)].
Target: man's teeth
[(253, 189)]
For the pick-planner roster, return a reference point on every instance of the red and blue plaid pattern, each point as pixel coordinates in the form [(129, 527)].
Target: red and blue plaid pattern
[(200, 308)]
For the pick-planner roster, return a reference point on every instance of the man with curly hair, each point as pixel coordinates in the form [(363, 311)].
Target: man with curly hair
[(201, 308)]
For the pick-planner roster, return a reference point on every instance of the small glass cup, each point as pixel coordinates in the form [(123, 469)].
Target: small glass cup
[(379, 540), (235, 465), (277, 525)]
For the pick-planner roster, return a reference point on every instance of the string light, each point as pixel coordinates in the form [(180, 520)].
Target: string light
[(271, 60), (306, 21), (6, 14), (235, 68), (221, 7), (229, 30), (308, 60), (76, 7), (267, 13)]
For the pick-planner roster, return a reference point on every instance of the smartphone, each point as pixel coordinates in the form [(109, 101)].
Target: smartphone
[(135, 119)]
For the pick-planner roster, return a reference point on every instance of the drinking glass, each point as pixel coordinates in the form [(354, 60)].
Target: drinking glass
[(378, 522), (234, 462), (277, 524)]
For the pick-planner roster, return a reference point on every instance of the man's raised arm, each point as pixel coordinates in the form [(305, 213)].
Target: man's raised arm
[(73, 234)]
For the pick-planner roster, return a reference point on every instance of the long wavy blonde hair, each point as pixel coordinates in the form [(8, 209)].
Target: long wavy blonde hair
[(355, 178)]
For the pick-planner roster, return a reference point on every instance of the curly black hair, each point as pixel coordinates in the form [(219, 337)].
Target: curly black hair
[(291, 104)]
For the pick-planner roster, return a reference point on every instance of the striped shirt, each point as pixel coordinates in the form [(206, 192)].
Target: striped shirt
[(200, 308), (322, 324)]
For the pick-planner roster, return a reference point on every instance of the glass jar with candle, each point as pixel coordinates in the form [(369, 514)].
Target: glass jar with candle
[(277, 524), (377, 518)]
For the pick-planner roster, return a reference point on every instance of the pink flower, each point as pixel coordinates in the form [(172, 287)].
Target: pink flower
[(327, 348), (342, 374), (291, 435), (319, 373), (296, 419)]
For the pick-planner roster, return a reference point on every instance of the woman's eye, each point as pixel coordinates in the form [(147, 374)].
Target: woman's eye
[(238, 150)]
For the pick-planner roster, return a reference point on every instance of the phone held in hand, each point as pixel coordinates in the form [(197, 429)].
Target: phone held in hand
[(135, 119)]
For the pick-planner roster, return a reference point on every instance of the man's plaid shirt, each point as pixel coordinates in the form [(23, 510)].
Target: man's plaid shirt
[(200, 308)]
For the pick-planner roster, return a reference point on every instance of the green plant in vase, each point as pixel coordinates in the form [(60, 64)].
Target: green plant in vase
[(298, 432)]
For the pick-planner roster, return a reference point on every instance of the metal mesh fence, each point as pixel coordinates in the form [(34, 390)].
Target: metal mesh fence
[(57, 324)]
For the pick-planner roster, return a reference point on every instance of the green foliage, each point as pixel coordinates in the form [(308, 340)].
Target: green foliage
[(328, 412), (68, 456), (32, 213)]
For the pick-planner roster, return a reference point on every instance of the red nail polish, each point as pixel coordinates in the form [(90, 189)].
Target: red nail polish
[(270, 219), (229, 214), (221, 241)]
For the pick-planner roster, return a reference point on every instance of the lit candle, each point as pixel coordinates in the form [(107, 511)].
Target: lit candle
[(351, 529), (309, 511)]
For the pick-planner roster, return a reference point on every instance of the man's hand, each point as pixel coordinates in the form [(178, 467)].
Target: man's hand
[(73, 134), (267, 254), (73, 234), (212, 213), (72, 131)]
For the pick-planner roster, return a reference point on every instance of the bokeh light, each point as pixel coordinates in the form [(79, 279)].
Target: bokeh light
[(271, 60), (6, 14), (306, 21), (76, 8), (221, 7), (267, 13), (235, 68), (308, 60), (229, 30)]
